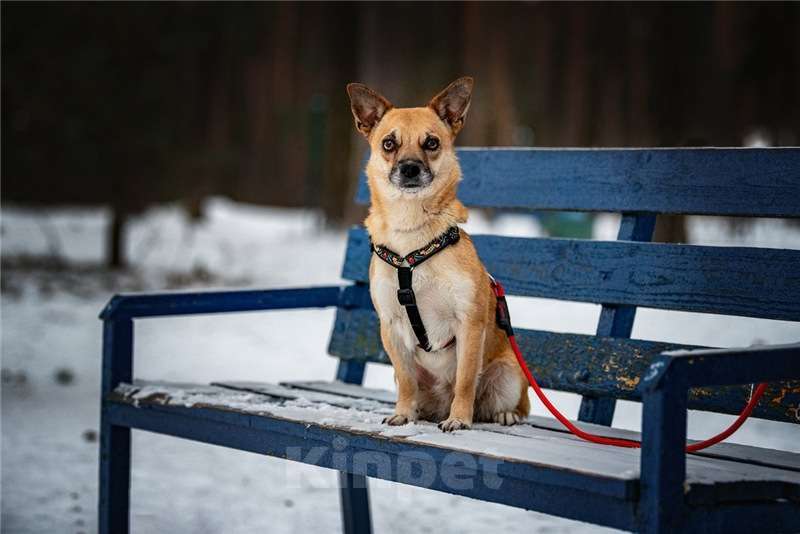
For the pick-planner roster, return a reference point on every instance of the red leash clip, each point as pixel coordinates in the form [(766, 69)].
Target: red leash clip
[(502, 314)]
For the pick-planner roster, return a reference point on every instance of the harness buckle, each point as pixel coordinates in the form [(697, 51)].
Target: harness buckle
[(405, 296)]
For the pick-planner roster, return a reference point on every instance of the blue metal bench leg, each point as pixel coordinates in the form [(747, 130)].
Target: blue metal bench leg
[(353, 488), (115, 469), (355, 504), (663, 460), (115, 441)]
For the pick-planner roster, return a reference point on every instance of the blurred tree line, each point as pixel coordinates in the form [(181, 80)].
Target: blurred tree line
[(127, 104)]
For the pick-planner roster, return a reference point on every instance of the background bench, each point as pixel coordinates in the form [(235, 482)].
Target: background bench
[(536, 465)]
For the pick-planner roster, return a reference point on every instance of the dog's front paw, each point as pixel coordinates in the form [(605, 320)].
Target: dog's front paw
[(453, 423), (397, 420), (506, 418)]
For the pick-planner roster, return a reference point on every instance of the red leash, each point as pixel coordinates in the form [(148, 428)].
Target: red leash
[(505, 323)]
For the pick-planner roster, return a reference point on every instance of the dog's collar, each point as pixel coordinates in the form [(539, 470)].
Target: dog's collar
[(414, 258)]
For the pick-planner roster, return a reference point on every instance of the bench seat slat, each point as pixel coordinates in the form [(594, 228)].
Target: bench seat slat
[(751, 282), (331, 396), (729, 451), (344, 389), (754, 182), (523, 455), (582, 364)]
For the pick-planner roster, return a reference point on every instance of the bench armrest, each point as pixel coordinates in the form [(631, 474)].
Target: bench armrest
[(665, 390), (188, 303), (722, 367), (119, 313)]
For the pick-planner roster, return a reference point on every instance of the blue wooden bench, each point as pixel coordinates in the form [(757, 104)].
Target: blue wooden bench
[(536, 465)]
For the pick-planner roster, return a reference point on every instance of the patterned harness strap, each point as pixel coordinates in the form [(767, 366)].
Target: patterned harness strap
[(405, 295)]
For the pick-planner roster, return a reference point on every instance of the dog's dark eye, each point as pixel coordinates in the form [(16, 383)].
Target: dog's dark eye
[(431, 143), (388, 145)]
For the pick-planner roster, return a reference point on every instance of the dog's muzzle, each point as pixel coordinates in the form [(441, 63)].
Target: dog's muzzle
[(410, 174)]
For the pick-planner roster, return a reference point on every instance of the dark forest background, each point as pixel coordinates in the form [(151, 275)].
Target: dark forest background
[(129, 104)]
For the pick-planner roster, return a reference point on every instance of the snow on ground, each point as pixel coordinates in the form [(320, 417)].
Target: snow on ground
[(51, 363)]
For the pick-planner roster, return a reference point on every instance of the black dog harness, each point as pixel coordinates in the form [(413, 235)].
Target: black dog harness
[(405, 295)]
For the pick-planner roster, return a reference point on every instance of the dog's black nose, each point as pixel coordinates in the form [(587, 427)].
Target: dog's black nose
[(410, 169)]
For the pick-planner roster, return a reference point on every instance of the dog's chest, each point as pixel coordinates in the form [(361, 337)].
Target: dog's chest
[(442, 295)]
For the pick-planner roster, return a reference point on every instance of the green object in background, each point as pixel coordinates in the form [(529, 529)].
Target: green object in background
[(566, 224)]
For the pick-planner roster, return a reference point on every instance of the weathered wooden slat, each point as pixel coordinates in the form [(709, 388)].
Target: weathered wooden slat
[(751, 282), (757, 182), (583, 364), (331, 396), (726, 451), (726, 477), (342, 388), (537, 454)]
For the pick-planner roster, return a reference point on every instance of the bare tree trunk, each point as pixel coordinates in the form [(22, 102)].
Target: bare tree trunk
[(474, 63), (573, 133), (501, 83), (343, 27), (670, 229), (116, 239)]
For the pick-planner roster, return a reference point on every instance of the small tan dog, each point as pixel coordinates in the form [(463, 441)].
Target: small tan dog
[(413, 174)]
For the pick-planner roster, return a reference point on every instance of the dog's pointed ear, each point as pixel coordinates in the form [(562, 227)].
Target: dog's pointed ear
[(452, 104), (368, 107)]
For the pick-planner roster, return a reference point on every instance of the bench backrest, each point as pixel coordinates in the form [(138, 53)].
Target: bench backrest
[(623, 274)]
